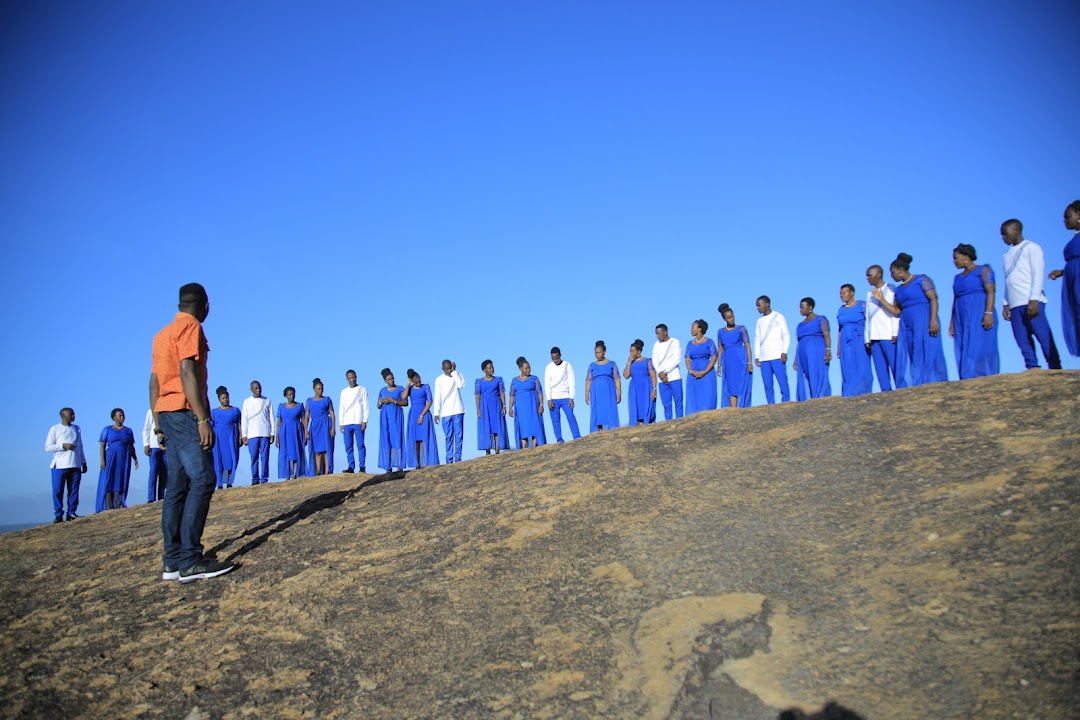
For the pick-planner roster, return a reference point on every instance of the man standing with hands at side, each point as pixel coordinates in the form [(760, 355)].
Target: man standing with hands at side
[(450, 409), (667, 357), (881, 329), (257, 432), (771, 340), (353, 415), (178, 397), (1025, 304), (64, 441), (559, 381)]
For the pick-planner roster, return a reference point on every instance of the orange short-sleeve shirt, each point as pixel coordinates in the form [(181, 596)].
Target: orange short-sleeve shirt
[(181, 339)]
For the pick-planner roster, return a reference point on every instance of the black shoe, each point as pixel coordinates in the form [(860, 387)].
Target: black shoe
[(204, 569), (362, 470), (56, 520), (73, 516), (169, 572), (347, 470), (228, 486)]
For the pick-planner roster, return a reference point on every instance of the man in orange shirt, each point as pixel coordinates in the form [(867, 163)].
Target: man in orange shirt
[(178, 397)]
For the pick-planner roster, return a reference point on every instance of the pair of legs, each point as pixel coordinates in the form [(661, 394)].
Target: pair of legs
[(883, 355), (775, 369), (671, 394), (454, 428), (259, 449), (1027, 330), (556, 419), (65, 479), (188, 490), (158, 475), (354, 435)]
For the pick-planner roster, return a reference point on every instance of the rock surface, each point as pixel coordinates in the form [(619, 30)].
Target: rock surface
[(910, 555)]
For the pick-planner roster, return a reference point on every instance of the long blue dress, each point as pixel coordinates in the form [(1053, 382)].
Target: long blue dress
[(391, 431), (119, 452), (700, 392), (641, 402), (810, 353), (226, 443), (319, 439), (424, 432), (290, 441), (855, 372), (976, 348), (919, 357), (490, 420), (1070, 296), (735, 379), (603, 410), (528, 423)]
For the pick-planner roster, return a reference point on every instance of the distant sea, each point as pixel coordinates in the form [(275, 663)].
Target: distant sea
[(19, 526)]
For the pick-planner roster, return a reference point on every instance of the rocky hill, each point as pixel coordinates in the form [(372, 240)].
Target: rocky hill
[(910, 555)]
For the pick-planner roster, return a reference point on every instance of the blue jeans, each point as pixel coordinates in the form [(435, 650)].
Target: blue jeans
[(670, 391), (454, 428), (259, 449), (883, 353), (1024, 328), (71, 477), (777, 369), (556, 420), (188, 490), (354, 433)]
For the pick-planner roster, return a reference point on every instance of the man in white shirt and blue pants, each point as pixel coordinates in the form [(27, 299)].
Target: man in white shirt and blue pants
[(353, 419), (68, 464), (882, 327), (1025, 303), (771, 342), (560, 383), (257, 432), (449, 410), (158, 471), (667, 358)]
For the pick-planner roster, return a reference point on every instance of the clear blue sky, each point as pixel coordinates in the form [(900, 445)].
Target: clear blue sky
[(361, 185)]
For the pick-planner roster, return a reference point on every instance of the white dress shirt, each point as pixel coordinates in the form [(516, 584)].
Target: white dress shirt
[(880, 324), (448, 395), (667, 358), (54, 442), (353, 406), (1024, 266), (771, 338), (256, 418), (559, 381), (149, 437)]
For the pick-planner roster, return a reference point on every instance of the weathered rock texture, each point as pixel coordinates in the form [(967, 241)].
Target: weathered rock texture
[(911, 555)]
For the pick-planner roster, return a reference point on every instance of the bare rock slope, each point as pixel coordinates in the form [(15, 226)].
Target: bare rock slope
[(911, 555)]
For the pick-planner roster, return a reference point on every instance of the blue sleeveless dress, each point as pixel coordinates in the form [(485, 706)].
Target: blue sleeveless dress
[(700, 392), (976, 348), (226, 442), (119, 451), (603, 410), (919, 357), (319, 440), (424, 432), (528, 423), (391, 431), (641, 403), (855, 372), (490, 420), (290, 441), (813, 372), (735, 379), (1070, 296)]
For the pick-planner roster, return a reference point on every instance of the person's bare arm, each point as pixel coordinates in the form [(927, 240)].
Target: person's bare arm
[(189, 379)]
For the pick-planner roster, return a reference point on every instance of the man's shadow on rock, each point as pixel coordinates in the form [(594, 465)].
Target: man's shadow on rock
[(286, 520)]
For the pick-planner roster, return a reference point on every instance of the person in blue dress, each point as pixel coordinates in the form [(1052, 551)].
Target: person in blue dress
[(526, 406), (226, 419), (117, 453), (391, 424), (973, 325), (290, 437), (919, 357), (700, 357), (319, 429), (642, 393), (603, 390), (1070, 290), (856, 376), (813, 353), (422, 447), (734, 361), (490, 410)]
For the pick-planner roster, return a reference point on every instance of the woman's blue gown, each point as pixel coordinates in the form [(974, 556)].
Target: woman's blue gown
[(226, 443), (813, 372), (603, 410), (119, 451), (1070, 296), (391, 431), (735, 380), (855, 372), (319, 439), (491, 420), (528, 423), (700, 392), (290, 440), (423, 432), (919, 357), (641, 402), (976, 348)]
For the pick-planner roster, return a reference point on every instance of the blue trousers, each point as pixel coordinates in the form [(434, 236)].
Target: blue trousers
[(355, 434), (556, 420), (883, 353), (71, 477), (454, 428), (188, 490), (259, 448), (1024, 328), (158, 475), (671, 391), (769, 370)]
